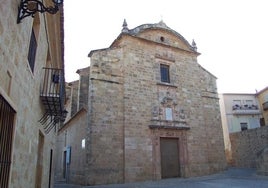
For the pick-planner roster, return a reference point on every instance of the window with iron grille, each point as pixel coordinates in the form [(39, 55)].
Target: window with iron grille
[(164, 71), (7, 115), (32, 50), (244, 126)]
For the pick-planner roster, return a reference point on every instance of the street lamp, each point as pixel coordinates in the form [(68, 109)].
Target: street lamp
[(30, 7)]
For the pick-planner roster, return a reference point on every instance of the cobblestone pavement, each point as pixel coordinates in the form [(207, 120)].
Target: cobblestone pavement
[(232, 178)]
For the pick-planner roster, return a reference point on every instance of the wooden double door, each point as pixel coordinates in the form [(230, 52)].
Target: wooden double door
[(170, 163)]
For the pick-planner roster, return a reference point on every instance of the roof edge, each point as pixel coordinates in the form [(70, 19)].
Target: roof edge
[(71, 119)]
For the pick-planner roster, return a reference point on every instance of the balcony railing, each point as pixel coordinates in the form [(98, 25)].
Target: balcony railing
[(52, 93), (265, 105), (246, 109)]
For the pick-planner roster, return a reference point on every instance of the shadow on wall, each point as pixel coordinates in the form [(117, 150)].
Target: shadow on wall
[(262, 162)]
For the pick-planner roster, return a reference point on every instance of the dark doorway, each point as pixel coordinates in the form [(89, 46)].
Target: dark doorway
[(64, 164), (170, 166), (7, 115), (50, 168)]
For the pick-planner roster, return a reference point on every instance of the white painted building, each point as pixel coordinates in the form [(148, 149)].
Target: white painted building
[(239, 112)]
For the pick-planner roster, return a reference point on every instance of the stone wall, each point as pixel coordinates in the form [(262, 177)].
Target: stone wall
[(126, 94), (74, 97), (263, 98), (105, 133), (247, 146), (20, 86), (262, 162), (71, 135), (83, 88)]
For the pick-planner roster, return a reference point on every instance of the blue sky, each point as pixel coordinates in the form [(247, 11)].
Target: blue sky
[(231, 35)]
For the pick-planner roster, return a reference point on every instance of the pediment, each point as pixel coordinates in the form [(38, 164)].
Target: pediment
[(162, 34), (159, 33), (165, 37)]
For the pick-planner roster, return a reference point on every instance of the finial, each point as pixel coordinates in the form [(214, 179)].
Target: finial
[(194, 45), (125, 28), (162, 23)]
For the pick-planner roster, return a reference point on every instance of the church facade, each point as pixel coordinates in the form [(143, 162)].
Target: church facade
[(152, 111)]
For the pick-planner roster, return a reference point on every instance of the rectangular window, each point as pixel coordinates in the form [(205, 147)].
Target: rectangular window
[(32, 50), (249, 102), (164, 70), (244, 126), (237, 102), (262, 122), (7, 115)]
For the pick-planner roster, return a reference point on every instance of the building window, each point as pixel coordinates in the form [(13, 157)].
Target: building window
[(7, 115), (262, 122), (164, 70), (244, 126), (249, 102), (236, 104), (33, 41), (32, 51)]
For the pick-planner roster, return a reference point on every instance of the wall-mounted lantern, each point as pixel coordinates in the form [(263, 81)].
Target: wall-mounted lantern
[(30, 7)]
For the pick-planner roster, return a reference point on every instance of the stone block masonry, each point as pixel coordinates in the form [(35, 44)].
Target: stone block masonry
[(247, 146), (32, 150), (132, 111), (126, 87)]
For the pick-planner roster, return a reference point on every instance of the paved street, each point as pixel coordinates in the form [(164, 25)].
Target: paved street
[(234, 177)]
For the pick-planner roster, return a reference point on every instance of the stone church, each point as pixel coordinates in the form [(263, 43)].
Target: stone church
[(144, 110)]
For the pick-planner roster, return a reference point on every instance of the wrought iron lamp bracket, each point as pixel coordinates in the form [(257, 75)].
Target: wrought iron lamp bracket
[(30, 7)]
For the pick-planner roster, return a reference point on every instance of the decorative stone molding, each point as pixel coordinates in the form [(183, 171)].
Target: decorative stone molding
[(166, 56), (164, 124), (168, 114)]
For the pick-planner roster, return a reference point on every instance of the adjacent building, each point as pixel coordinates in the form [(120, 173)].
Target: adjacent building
[(71, 163), (145, 110), (31, 93), (239, 112), (262, 97)]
